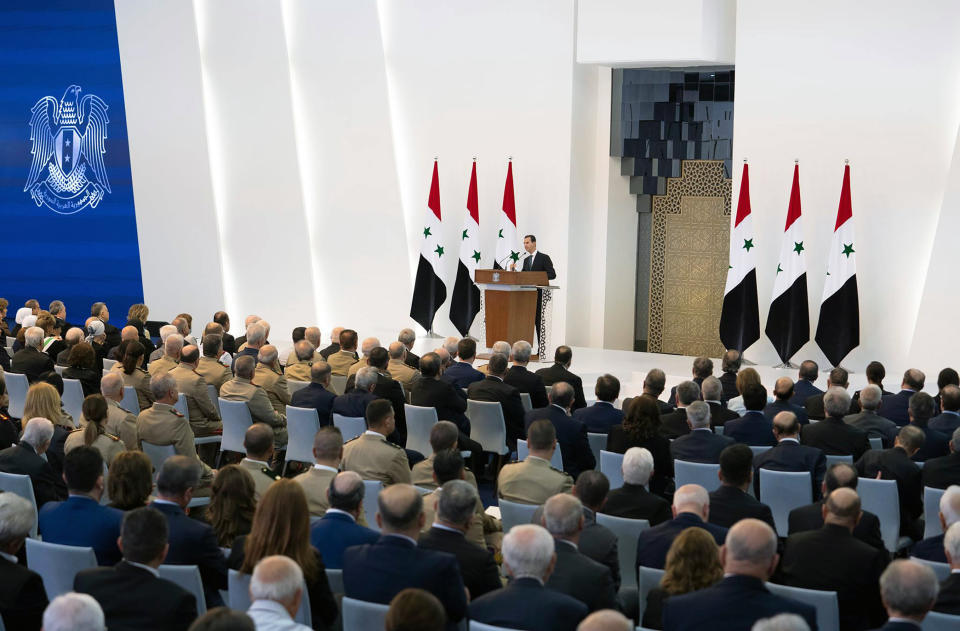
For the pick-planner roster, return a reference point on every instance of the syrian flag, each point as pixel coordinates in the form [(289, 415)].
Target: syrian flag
[(740, 317), (788, 323), (507, 236), (838, 329), (465, 304), (429, 292)]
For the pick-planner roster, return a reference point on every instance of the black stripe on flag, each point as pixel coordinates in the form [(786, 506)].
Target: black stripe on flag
[(838, 327), (429, 292), (788, 323), (740, 317), (465, 304)]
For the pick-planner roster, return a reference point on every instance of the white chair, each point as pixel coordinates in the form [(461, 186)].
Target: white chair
[(931, 512), (302, 425), (109, 363), (338, 383), (214, 396), (420, 420), (335, 580), (350, 426), (718, 430), (526, 401), (514, 513), (72, 399), (130, 401), (182, 407), (523, 450), (21, 485), (611, 465), (59, 370), (17, 386), (359, 615), (648, 578), (487, 426), (371, 490), (479, 626), (236, 420), (598, 442), (936, 621), (627, 531), (876, 442), (702, 473), (942, 570), (187, 577), (828, 610), (58, 564), (832, 460), (783, 491), (295, 386), (238, 597), (158, 454), (880, 498), (105, 496)]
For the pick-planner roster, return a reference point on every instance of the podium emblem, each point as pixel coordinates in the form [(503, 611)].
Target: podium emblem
[(496, 277)]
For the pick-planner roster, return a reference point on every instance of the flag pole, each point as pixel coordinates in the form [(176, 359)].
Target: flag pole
[(430, 332), (743, 359)]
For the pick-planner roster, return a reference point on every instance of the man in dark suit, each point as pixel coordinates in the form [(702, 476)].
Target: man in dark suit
[(839, 476), (782, 393), (653, 386), (31, 360), (702, 368), (571, 433), (740, 599), (338, 529), (701, 444), (378, 571), (691, 509), (22, 596), (131, 593), (597, 541), (99, 310), (522, 379), (919, 410), (449, 401), (354, 403), (711, 391), (81, 520), (462, 373), (804, 387), (940, 473), (535, 261), (814, 404), (832, 436), (560, 371), (316, 395), (494, 389), (633, 500), (908, 590), (334, 346), (949, 418), (948, 600), (895, 464), (752, 428), (192, 542), (407, 337), (875, 372), (229, 342), (832, 559), (674, 424), (730, 365), (730, 503), (602, 415), (932, 548), (386, 388), (895, 406), (789, 454), (26, 458), (529, 557), (869, 421)]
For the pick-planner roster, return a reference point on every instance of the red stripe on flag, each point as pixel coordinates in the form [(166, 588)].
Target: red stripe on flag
[(793, 210), (508, 205), (845, 210), (743, 204), (434, 202), (472, 196)]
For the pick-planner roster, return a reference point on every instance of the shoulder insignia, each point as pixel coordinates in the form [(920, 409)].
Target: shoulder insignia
[(79, 429), (353, 439), (558, 471), (270, 473), (111, 437), (394, 445), (175, 413)]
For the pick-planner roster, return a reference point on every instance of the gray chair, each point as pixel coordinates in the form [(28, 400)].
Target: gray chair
[(238, 597), (420, 420), (187, 577), (59, 370), (931, 512), (759, 449), (158, 454), (598, 443), (302, 426), (525, 400), (181, 406), (350, 426), (335, 579), (628, 532), (648, 578), (936, 621), (57, 564), (556, 460), (17, 386), (214, 396), (783, 491), (236, 420), (832, 460), (72, 399), (880, 498), (130, 401), (701, 473), (828, 610), (363, 616), (611, 465), (21, 485), (338, 383), (718, 430), (876, 442), (487, 426), (371, 489), (942, 570), (109, 363), (295, 386), (514, 513)]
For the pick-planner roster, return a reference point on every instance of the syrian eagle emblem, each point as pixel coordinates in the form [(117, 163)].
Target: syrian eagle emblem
[(67, 173)]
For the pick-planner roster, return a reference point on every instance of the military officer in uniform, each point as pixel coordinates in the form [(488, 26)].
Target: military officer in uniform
[(203, 416), (398, 367), (120, 423), (312, 335), (170, 358), (97, 436), (242, 388), (366, 348), (341, 360), (269, 377), (303, 357), (209, 366), (258, 442), (371, 454), (533, 481), (327, 453), (443, 437)]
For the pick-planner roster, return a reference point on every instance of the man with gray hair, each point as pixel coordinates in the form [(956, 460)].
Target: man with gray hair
[(782, 622), (675, 423), (691, 509), (499, 348), (300, 360), (366, 347), (450, 345), (895, 406), (633, 500), (120, 422), (31, 360), (311, 335), (814, 405), (334, 346), (256, 338), (949, 599), (398, 367), (749, 558), (711, 393), (22, 596), (909, 590), (832, 435), (869, 421), (269, 376), (522, 379), (529, 557), (940, 473), (571, 433), (407, 337), (701, 444), (73, 612), (26, 458), (276, 591), (171, 356), (165, 331), (242, 388), (354, 403), (72, 337), (931, 548)]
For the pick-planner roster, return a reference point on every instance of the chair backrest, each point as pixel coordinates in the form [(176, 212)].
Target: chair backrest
[(236, 420), (105, 496), (335, 579), (21, 485), (702, 473), (181, 406), (611, 465), (832, 460), (238, 597), (479, 626), (359, 615), (420, 420), (72, 398), (759, 449), (942, 570), (880, 498), (294, 386), (514, 513), (371, 489), (130, 401), (109, 363), (526, 401), (936, 621), (597, 444), (302, 425), (158, 454), (783, 491), (876, 442), (17, 386), (648, 578), (828, 610), (214, 396), (338, 383), (58, 564), (931, 512), (627, 531), (59, 370), (487, 426), (187, 577), (718, 430), (523, 450), (349, 426)]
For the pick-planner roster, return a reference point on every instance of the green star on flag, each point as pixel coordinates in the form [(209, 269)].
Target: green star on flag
[(426, 232), (500, 234), (514, 256), (848, 249), (747, 244), (779, 269), (439, 250), (465, 236), (476, 256), (798, 247)]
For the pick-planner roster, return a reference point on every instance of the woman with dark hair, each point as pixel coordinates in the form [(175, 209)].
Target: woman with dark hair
[(81, 365), (693, 563), (232, 504), (94, 434), (130, 480), (131, 369), (947, 377), (641, 428), (281, 525)]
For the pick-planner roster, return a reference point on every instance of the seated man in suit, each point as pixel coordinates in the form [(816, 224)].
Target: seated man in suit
[(931, 549), (302, 359), (378, 571), (276, 591), (711, 392), (571, 433), (948, 601), (674, 424), (522, 379), (258, 334), (22, 596), (752, 428), (941, 472), (730, 366), (371, 454), (242, 388), (814, 404), (702, 368), (131, 593), (533, 480), (633, 500), (919, 410), (789, 454), (398, 368), (749, 558), (653, 385), (450, 403), (782, 393), (730, 503), (949, 418), (839, 476), (407, 337), (701, 444), (602, 415), (691, 509), (560, 371), (462, 373), (192, 542), (317, 394), (340, 526), (493, 388), (895, 406), (869, 421), (334, 343), (804, 387), (354, 403), (81, 520), (597, 542), (346, 355), (832, 435), (895, 464), (529, 557), (327, 454), (26, 458), (31, 360), (72, 612), (908, 590)]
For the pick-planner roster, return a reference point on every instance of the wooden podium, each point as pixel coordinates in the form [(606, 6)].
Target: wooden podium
[(510, 300)]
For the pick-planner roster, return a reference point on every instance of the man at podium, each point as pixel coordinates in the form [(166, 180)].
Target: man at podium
[(534, 261)]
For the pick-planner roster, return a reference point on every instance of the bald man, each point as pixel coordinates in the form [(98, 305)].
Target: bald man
[(368, 344), (398, 367), (691, 509), (606, 620), (782, 393), (343, 525), (571, 433), (270, 377), (896, 406)]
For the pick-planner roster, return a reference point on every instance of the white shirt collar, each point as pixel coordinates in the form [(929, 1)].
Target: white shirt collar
[(904, 620), (792, 440), (160, 501), (370, 431), (9, 557), (702, 429), (323, 467), (951, 412), (152, 570), (569, 543), (708, 401), (273, 607), (341, 512)]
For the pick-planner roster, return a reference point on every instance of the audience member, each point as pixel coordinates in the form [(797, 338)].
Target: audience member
[(641, 428), (269, 376), (258, 443), (948, 600), (653, 385), (415, 610), (119, 422), (804, 388), (391, 390), (746, 377), (242, 388), (444, 436), (258, 334), (232, 502), (675, 423), (327, 454), (366, 347), (693, 563), (781, 622), (26, 458), (448, 466), (896, 406), (371, 454), (431, 391), (789, 454), (22, 596), (731, 502), (407, 337), (560, 371), (74, 612), (895, 464), (602, 415), (701, 444), (202, 414), (633, 500), (919, 409), (340, 526), (941, 472), (223, 619), (571, 433), (354, 402), (869, 421), (522, 379), (172, 348), (702, 368), (398, 368), (81, 365), (782, 393), (334, 346), (317, 394), (949, 418), (533, 480), (932, 548), (753, 427), (31, 360), (209, 367), (691, 509), (597, 541), (832, 435), (43, 401), (909, 590), (165, 331), (131, 481), (462, 373), (94, 432), (133, 375), (73, 337), (495, 389), (711, 391), (730, 366), (276, 591), (838, 378)]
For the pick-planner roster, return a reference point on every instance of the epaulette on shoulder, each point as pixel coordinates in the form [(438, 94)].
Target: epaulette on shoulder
[(558, 470), (175, 413), (394, 445), (270, 473), (112, 437), (352, 439)]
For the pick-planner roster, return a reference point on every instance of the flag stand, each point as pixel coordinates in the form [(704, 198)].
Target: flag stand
[(786, 365), (746, 362), (432, 334)]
